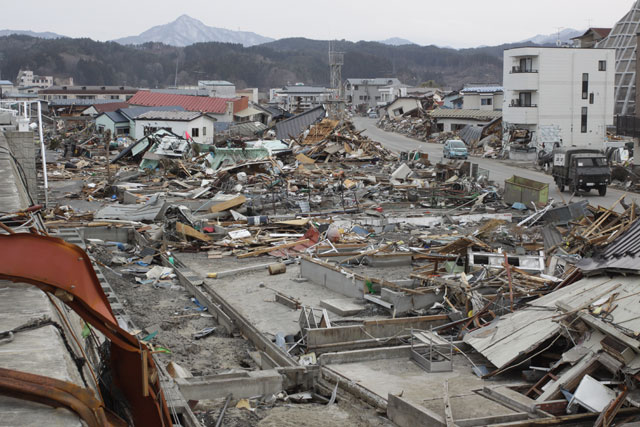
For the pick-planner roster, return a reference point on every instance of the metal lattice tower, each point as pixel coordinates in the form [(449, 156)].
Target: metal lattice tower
[(622, 38), (336, 60)]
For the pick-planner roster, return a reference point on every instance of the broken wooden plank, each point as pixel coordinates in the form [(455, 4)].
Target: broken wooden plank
[(274, 248), (232, 203), (304, 159), (191, 232)]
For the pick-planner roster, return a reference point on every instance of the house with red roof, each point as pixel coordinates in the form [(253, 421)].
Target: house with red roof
[(220, 109)]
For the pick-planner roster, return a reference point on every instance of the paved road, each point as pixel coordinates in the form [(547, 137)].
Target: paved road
[(499, 171)]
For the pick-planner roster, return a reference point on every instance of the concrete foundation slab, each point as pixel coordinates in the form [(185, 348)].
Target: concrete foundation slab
[(342, 307)]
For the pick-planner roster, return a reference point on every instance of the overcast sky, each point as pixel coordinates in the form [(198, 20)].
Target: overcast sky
[(456, 23)]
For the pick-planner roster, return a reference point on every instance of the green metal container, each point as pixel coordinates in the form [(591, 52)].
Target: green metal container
[(523, 190)]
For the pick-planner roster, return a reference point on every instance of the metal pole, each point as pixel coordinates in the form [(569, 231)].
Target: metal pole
[(44, 157)]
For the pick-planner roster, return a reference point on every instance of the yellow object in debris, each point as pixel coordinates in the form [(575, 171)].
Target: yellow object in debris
[(212, 275), (470, 313), (244, 404)]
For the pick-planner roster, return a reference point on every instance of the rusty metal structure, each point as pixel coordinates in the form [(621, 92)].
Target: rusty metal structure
[(65, 270)]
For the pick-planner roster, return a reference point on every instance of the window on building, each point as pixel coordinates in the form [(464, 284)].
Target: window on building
[(115, 96), (204, 131), (585, 85), (355, 87), (583, 120), (361, 97), (377, 98), (602, 65), (398, 111), (526, 65), (195, 132), (486, 101), (591, 98), (524, 99)]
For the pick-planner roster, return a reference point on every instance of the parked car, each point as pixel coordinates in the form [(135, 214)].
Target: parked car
[(581, 169), (455, 149), (373, 114)]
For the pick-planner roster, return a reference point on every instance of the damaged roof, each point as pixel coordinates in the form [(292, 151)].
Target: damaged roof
[(623, 254), (294, 126)]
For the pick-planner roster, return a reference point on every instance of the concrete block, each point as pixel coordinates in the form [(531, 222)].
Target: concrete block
[(332, 279), (408, 414), (404, 303), (342, 307), (241, 385)]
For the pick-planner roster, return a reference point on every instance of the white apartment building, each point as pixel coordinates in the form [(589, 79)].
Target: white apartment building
[(563, 95), (26, 78)]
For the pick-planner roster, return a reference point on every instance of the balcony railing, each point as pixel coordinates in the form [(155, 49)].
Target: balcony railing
[(628, 126), (516, 69), (517, 103)]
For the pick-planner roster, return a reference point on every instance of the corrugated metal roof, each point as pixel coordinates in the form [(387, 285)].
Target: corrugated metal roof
[(450, 113), (182, 116), (621, 255), (295, 125), (482, 89), (190, 103), (471, 134), (516, 335)]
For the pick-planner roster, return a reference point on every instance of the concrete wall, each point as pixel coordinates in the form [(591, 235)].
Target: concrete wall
[(332, 279), (23, 147), (556, 91)]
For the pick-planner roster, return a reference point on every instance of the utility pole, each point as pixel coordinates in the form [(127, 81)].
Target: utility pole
[(107, 143)]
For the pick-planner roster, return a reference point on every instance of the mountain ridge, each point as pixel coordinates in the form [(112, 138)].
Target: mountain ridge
[(185, 31)]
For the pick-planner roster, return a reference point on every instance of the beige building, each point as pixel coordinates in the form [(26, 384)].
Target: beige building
[(482, 97), (115, 93)]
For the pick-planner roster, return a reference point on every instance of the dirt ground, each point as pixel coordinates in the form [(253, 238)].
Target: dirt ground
[(299, 415), (171, 313)]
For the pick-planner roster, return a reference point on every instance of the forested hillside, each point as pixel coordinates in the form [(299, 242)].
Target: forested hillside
[(269, 65)]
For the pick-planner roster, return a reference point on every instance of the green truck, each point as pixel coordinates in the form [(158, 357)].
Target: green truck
[(581, 169)]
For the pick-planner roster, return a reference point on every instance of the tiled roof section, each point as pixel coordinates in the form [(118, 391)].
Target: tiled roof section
[(203, 104), (482, 89), (449, 113), (182, 116), (110, 106)]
